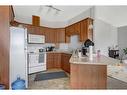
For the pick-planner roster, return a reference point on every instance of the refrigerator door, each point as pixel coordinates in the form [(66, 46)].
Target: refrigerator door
[(18, 54)]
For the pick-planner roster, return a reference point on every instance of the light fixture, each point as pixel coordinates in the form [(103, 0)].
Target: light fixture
[(53, 8), (50, 8), (91, 24)]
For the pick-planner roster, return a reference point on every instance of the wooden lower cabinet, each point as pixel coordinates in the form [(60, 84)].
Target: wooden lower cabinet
[(88, 76), (53, 60), (65, 62), (58, 60)]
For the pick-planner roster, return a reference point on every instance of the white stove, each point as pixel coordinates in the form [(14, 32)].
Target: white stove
[(37, 62)]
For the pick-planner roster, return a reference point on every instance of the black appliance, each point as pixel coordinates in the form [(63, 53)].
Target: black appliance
[(86, 45), (84, 50), (51, 48), (113, 53)]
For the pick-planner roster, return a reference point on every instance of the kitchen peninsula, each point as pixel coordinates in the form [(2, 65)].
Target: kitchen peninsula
[(86, 74)]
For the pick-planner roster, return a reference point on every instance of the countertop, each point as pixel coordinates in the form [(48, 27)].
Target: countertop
[(58, 51), (118, 72), (102, 60), (115, 69)]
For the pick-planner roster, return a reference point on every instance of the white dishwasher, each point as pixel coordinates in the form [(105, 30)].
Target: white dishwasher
[(37, 62)]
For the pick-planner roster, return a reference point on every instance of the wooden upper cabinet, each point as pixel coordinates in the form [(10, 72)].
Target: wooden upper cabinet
[(70, 30), (67, 39), (35, 20), (60, 35), (73, 29), (54, 35), (30, 29), (80, 28), (84, 31), (42, 30), (34, 30), (49, 35), (77, 28), (38, 30)]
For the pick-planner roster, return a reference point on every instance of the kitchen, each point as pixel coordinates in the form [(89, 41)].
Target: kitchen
[(50, 50)]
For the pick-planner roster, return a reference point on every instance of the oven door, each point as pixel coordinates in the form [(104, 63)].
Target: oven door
[(42, 58), (37, 59), (33, 60), (37, 62)]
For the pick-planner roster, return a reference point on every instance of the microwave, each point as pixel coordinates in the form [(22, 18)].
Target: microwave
[(36, 39)]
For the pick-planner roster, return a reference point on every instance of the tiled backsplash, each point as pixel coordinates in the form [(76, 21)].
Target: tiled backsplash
[(36, 47), (62, 46)]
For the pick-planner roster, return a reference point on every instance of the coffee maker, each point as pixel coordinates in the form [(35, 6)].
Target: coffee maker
[(85, 47)]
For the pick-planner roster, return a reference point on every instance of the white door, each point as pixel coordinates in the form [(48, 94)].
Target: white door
[(18, 54)]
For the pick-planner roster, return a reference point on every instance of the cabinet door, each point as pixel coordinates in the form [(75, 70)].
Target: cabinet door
[(65, 62), (30, 29), (57, 60), (42, 30), (49, 35), (50, 61), (77, 28), (67, 39), (60, 35), (84, 31), (37, 30), (70, 30)]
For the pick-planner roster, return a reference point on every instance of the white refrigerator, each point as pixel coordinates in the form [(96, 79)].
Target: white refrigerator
[(18, 54)]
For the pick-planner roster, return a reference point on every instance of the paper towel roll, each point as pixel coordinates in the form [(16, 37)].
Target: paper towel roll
[(90, 52)]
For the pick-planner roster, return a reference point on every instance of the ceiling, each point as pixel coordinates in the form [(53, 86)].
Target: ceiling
[(114, 15), (47, 15)]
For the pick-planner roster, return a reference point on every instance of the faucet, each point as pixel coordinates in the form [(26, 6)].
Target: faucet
[(75, 53)]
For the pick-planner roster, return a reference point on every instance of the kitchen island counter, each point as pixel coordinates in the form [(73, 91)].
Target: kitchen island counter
[(87, 74), (102, 60)]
